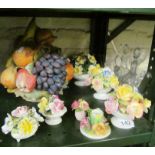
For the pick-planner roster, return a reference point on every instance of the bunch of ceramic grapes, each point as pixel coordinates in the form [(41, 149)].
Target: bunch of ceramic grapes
[(51, 73)]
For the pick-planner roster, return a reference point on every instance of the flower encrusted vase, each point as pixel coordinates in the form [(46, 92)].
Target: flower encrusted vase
[(82, 80), (79, 115), (101, 94)]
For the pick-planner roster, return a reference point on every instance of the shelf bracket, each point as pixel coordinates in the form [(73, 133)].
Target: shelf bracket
[(119, 29)]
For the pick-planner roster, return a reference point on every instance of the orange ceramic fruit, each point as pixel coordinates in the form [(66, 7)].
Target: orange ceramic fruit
[(8, 77), (23, 56), (70, 71)]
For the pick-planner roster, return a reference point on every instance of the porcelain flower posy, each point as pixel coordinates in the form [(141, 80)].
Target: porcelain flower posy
[(127, 101), (95, 126), (51, 105), (80, 105), (23, 123), (53, 109), (105, 80), (84, 64)]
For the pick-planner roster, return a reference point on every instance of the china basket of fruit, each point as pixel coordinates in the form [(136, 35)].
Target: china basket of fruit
[(33, 74)]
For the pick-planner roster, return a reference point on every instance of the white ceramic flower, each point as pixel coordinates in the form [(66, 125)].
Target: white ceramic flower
[(8, 124), (37, 116)]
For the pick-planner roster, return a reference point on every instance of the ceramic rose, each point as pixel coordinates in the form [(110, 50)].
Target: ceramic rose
[(57, 106), (85, 123), (75, 105), (20, 111)]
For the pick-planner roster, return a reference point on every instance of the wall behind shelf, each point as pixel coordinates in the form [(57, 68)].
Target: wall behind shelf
[(73, 34)]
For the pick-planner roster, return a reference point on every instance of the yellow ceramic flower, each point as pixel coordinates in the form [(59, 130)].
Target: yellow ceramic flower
[(78, 70), (122, 108), (94, 70), (99, 129), (82, 103), (43, 104), (92, 59), (114, 81), (25, 126), (147, 103), (124, 92), (137, 96), (135, 109), (80, 60)]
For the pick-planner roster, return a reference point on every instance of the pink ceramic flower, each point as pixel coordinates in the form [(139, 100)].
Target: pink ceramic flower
[(84, 122), (20, 111), (75, 105), (111, 106), (57, 105)]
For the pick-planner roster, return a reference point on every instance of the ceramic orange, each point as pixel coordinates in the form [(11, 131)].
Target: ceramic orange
[(23, 56), (70, 71)]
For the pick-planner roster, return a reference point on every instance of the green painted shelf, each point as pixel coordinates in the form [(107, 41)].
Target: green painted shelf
[(68, 133)]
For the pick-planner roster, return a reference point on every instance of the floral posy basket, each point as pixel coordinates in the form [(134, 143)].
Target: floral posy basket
[(126, 104), (22, 123)]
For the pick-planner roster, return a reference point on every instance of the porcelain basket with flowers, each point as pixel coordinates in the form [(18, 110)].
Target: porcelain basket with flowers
[(126, 104), (104, 82), (53, 109), (85, 66)]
